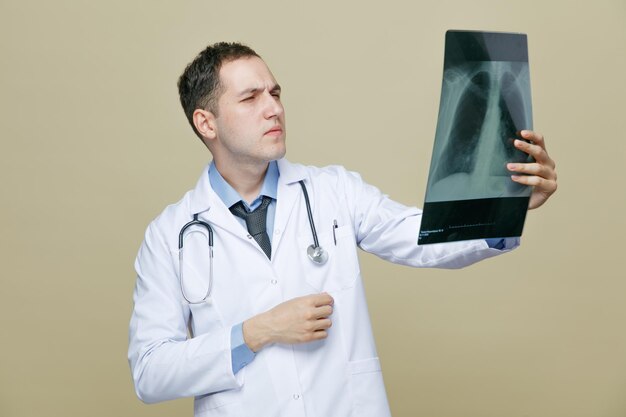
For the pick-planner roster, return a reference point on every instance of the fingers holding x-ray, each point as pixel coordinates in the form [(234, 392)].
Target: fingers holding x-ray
[(541, 174)]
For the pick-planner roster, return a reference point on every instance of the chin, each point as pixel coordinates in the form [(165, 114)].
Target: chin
[(279, 152)]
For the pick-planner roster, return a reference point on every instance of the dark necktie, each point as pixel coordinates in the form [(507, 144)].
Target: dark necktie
[(255, 222)]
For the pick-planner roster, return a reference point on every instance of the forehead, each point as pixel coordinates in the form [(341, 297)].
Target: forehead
[(245, 73)]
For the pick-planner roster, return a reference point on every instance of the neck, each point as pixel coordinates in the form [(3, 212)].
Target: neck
[(247, 180)]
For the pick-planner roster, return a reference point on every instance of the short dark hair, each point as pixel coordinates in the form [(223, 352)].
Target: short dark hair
[(199, 86)]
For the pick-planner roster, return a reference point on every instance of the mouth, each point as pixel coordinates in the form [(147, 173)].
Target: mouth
[(275, 131)]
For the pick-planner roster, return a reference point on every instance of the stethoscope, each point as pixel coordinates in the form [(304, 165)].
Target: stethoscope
[(315, 252)]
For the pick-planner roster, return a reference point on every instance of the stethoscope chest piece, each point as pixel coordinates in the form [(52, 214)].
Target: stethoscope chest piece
[(317, 254)]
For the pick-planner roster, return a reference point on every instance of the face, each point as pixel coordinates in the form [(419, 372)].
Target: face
[(250, 125)]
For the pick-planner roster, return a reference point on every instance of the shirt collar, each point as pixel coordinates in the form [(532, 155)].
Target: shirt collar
[(230, 196)]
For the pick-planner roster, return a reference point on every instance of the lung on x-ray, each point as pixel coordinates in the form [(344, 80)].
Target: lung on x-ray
[(485, 102)]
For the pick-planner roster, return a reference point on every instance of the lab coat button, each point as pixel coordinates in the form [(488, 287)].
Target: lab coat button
[(249, 236), (296, 396), (277, 231), (274, 281)]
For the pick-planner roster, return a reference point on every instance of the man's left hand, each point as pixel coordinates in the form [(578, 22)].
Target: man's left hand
[(541, 174)]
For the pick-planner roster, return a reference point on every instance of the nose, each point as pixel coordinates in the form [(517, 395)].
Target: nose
[(273, 106)]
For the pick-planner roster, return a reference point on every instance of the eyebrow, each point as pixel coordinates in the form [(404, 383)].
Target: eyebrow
[(254, 90)]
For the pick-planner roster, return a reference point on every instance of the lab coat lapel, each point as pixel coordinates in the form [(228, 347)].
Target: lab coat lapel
[(204, 201), (289, 192), (220, 216)]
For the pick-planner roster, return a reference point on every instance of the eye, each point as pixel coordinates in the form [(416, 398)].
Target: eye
[(249, 98)]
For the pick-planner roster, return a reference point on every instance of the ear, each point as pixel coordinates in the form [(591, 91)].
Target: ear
[(204, 121)]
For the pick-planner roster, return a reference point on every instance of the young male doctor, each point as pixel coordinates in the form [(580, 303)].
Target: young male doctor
[(271, 320)]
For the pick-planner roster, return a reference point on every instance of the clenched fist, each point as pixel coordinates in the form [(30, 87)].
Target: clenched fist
[(300, 320)]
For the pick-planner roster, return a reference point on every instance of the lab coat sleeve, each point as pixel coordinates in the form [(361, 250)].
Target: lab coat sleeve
[(389, 230), (165, 363)]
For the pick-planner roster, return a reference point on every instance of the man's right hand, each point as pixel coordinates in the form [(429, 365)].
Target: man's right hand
[(300, 320)]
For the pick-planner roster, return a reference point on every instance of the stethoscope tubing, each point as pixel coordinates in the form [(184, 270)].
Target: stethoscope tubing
[(193, 223), (181, 241), (315, 252), (310, 214)]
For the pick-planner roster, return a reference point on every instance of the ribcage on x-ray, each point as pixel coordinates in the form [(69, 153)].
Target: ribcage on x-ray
[(487, 97), (468, 121), (512, 115)]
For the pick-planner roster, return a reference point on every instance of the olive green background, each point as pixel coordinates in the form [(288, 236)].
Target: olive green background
[(94, 145)]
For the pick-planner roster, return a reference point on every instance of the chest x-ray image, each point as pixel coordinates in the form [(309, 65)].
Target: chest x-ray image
[(485, 101)]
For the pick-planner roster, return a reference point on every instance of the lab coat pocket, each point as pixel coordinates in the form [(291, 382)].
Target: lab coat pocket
[(205, 320), (342, 268), (224, 403), (368, 388)]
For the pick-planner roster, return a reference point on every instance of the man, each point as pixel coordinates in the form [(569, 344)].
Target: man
[(246, 328)]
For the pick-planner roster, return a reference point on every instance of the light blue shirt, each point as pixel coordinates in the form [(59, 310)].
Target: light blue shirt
[(241, 354), (496, 243), (229, 196)]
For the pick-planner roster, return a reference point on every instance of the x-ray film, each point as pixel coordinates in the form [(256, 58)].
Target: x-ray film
[(485, 102)]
